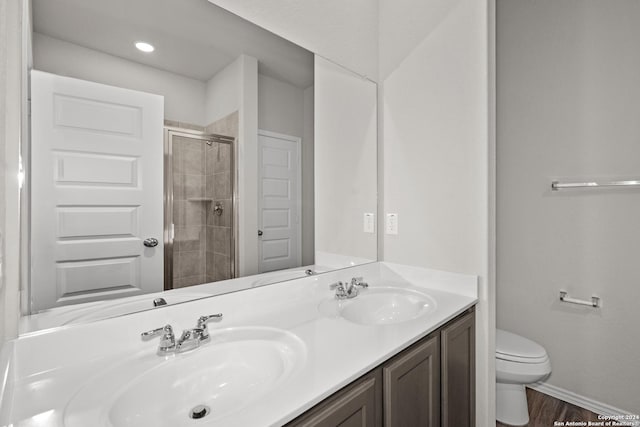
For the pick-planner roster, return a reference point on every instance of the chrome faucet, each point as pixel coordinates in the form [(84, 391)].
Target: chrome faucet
[(189, 340), (201, 326), (158, 302), (167, 341), (358, 281), (341, 292), (348, 290)]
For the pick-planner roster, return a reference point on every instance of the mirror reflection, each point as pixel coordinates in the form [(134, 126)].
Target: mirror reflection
[(172, 145)]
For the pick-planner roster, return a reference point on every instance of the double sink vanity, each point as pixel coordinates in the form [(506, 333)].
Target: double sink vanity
[(372, 345)]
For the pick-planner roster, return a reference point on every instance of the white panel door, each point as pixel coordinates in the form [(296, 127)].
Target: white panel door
[(279, 195), (96, 191)]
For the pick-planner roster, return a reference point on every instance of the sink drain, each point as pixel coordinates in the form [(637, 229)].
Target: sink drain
[(199, 411)]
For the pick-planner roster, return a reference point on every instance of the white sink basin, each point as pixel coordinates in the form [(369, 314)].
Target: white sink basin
[(224, 375), (380, 306)]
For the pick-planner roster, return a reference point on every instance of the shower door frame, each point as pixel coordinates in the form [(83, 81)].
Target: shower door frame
[(168, 235)]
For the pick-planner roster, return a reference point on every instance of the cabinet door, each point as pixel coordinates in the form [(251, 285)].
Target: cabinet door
[(356, 406), (458, 373), (411, 386)]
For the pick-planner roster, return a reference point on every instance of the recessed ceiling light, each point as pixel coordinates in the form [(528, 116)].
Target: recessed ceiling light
[(145, 47)]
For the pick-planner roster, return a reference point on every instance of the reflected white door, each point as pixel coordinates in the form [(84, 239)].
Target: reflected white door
[(279, 195), (96, 191)]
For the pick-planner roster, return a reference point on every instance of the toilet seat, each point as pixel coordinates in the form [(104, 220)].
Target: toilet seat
[(514, 348), (531, 360)]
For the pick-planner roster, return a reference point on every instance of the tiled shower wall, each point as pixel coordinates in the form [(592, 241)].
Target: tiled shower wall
[(202, 177), (189, 212), (219, 228)]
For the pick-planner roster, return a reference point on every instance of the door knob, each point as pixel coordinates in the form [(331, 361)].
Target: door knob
[(260, 233), (151, 242)]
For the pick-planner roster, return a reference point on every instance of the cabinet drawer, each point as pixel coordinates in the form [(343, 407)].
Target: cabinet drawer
[(357, 405)]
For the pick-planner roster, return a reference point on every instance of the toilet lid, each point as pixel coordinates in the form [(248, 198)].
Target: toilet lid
[(510, 346)]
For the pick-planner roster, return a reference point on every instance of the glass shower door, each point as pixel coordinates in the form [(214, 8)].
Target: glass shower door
[(199, 210)]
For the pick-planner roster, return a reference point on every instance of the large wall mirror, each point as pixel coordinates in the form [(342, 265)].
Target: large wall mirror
[(178, 151)]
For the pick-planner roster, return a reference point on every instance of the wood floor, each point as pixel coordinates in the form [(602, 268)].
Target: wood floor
[(544, 410)]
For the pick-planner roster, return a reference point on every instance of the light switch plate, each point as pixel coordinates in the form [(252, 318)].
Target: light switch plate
[(392, 223), (369, 222)]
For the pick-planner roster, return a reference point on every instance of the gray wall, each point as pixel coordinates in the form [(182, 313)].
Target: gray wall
[(308, 208), (183, 97), (344, 151), (12, 66), (434, 58), (287, 109), (280, 107), (569, 107), (341, 31)]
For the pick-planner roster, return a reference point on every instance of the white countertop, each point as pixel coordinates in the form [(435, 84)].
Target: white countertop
[(105, 309), (42, 371)]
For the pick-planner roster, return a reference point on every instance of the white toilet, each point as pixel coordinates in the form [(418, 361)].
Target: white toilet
[(519, 361)]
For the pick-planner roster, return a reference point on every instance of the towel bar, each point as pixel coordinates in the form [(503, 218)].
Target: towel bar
[(555, 185), (595, 301)]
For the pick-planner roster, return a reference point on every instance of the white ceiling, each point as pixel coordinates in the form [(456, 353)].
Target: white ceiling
[(193, 38)]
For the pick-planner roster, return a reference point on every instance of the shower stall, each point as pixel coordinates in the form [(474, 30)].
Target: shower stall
[(200, 200)]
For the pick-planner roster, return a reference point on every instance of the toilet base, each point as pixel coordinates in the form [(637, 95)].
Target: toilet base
[(512, 404)]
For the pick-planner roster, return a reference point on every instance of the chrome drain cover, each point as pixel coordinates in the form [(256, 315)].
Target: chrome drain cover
[(199, 411)]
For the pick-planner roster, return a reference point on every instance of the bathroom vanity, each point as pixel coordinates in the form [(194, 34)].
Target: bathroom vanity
[(432, 383), (399, 353)]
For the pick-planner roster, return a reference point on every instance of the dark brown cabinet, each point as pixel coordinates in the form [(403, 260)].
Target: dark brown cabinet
[(411, 386), (458, 372), (430, 384), (357, 405)]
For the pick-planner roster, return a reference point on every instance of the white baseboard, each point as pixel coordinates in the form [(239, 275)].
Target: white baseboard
[(578, 400)]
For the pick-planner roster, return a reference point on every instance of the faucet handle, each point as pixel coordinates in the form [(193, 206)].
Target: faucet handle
[(203, 334), (202, 320), (341, 290), (167, 329), (336, 285), (358, 281), (168, 340)]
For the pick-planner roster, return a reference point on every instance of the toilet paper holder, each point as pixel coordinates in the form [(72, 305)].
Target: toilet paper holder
[(595, 301)]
